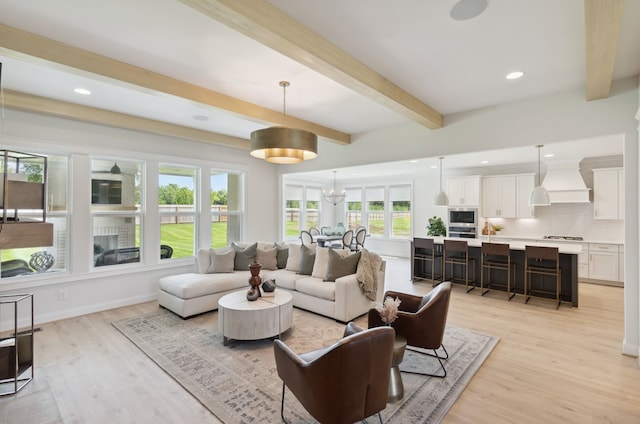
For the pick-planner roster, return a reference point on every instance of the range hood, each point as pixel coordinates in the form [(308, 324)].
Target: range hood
[(564, 183)]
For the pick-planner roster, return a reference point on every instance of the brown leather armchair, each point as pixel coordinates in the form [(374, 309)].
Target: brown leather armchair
[(421, 320), (343, 383)]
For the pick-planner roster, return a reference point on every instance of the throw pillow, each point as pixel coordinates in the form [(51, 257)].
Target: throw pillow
[(268, 258), (293, 260), (339, 266), (322, 261), (221, 260), (307, 259), (244, 256), (283, 254)]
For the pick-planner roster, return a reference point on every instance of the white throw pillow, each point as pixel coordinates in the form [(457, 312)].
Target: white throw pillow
[(293, 261), (268, 258), (222, 260)]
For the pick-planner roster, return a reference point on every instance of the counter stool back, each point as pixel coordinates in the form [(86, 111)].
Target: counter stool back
[(428, 255), (456, 252), (543, 261), (497, 256)]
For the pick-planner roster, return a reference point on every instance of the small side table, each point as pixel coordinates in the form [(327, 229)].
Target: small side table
[(396, 388)]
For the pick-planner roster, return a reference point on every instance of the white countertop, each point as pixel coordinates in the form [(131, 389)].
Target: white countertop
[(573, 248), (497, 238)]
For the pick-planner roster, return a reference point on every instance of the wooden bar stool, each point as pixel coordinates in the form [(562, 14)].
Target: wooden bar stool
[(426, 254), (497, 256), (456, 252), (541, 261)]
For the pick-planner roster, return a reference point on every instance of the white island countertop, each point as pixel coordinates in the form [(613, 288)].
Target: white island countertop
[(567, 248)]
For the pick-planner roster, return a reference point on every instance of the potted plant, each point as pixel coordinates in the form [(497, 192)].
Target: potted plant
[(436, 227)]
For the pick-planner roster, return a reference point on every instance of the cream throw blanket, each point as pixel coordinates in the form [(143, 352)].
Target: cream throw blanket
[(367, 273)]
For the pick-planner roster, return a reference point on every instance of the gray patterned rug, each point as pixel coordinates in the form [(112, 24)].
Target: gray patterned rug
[(238, 383)]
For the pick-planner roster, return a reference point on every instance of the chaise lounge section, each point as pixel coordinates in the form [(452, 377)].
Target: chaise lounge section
[(335, 283)]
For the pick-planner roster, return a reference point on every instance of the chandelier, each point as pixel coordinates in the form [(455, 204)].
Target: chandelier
[(333, 196), (283, 144)]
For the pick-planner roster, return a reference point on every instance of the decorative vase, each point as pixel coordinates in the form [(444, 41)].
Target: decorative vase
[(254, 281), (41, 261), (340, 228)]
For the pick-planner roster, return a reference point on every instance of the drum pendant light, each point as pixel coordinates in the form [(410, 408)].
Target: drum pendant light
[(284, 145)]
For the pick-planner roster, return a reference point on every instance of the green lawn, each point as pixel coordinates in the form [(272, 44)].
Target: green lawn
[(180, 237)]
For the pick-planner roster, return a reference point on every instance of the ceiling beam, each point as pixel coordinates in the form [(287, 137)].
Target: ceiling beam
[(273, 28), (49, 50), (603, 23), (27, 102)]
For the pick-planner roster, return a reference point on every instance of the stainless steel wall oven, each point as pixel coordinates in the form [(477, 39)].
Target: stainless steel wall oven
[(463, 222)]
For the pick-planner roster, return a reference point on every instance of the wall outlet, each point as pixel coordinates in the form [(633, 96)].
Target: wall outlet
[(63, 294)]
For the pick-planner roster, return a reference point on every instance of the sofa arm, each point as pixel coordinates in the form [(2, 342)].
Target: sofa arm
[(350, 302)]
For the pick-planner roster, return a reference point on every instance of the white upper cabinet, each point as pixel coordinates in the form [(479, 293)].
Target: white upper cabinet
[(507, 196), (464, 191), (499, 197), (608, 193), (524, 187)]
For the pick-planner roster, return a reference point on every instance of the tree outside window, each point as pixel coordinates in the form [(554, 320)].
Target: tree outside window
[(177, 186), (375, 210)]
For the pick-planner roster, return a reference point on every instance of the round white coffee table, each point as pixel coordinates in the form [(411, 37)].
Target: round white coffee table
[(241, 319)]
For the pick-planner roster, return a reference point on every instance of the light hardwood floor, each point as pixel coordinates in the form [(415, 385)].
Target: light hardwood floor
[(550, 366)]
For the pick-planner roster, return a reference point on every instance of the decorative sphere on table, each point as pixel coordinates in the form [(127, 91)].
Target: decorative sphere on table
[(254, 281), (41, 261)]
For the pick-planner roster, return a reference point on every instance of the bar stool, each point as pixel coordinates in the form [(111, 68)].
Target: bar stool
[(456, 252), (541, 261), (497, 256), (425, 252)]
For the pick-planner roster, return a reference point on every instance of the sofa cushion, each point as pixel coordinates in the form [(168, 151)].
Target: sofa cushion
[(221, 260), (203, 260), (267, 257), (322, 260), (340, 266), (245, 256), (307, 259), (317, 288), (191, 285), (284, 278), (283, 254)]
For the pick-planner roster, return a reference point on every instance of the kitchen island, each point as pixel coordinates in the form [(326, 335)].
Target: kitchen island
[(421, 269)]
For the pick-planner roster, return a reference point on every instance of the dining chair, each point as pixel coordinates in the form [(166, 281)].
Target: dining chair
[(306, 238)]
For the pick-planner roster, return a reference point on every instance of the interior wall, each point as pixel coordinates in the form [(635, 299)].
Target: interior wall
[(89, 290)]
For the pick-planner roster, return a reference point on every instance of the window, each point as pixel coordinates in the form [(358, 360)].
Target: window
[(375, 210), (177, 206), (21, 262), (400, 198), (354, 208), (293, 203), (116, 211), (312, 207), (226, 208)]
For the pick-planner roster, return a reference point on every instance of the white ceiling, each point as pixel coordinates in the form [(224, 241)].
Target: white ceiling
[(452, 66)]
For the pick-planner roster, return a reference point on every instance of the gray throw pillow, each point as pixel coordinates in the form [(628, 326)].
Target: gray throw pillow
[(339, 266), (283, 254), (307, 259), (244, 256), (222, 260)]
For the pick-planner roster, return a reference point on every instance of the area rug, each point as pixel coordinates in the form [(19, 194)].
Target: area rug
[(239, 383)]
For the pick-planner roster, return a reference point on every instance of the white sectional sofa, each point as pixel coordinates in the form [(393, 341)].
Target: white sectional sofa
[(343, 299)]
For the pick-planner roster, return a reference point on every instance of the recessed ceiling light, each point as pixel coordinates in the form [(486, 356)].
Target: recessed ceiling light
[(515, 75), (82, 91), (200, 117), (464, 10), (484, 162), (434, 166), (549, 155), (414, 161)]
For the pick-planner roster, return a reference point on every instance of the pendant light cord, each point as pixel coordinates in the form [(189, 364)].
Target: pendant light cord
[(284, 85)]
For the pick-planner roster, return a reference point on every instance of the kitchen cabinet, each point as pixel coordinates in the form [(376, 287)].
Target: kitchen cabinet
[(464, 191), (603, 261), (608, 193), (524, 187), (507, 196), (499, 197)]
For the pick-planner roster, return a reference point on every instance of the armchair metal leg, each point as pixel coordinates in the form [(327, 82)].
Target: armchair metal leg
[(284, 420), (434, 354)]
